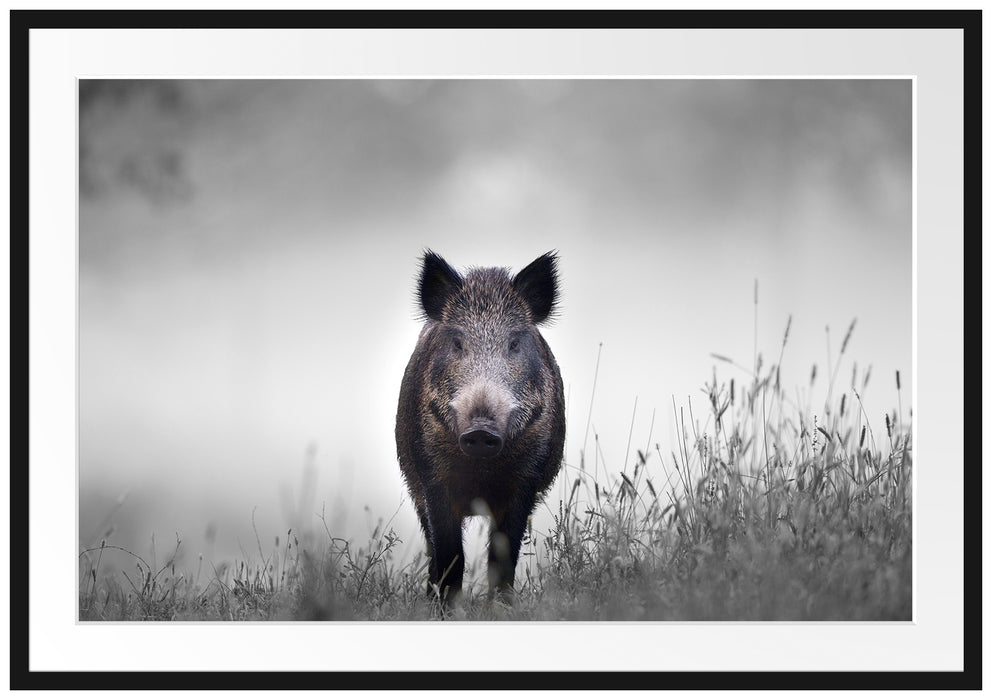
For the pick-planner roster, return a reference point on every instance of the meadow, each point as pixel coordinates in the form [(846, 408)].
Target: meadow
[(767, 508)]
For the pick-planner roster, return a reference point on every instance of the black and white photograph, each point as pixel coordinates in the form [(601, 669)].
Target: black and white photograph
[(573, 350), (533, 349)]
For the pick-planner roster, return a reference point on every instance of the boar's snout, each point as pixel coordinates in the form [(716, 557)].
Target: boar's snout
[(480, 442), (482, 410)]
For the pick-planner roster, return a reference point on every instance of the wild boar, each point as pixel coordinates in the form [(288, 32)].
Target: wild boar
[(481, 418)]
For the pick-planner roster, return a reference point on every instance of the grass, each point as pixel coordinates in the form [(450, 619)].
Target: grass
[(766, 509)]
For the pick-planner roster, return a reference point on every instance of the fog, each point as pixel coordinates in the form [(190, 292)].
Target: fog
[(247, 254)]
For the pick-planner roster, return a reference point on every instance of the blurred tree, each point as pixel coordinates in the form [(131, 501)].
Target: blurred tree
[(132, 136)]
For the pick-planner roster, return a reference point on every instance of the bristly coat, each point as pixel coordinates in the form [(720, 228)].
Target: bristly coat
[(480, 425)]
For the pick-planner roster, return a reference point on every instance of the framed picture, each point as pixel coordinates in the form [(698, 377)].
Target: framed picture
[(543, 350)]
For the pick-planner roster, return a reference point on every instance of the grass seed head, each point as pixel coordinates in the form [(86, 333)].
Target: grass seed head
[(847, 336)]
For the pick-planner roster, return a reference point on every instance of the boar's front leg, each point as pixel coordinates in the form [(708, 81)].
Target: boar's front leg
[(447, 559), (504, 544)]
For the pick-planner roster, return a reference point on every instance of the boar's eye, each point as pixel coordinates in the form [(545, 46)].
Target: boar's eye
[(514, 345), (457, 343)]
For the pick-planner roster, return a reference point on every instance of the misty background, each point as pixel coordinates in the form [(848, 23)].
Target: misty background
[(248, 251)]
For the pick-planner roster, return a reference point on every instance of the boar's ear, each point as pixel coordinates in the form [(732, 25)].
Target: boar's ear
[(438, 281), (538, 285)]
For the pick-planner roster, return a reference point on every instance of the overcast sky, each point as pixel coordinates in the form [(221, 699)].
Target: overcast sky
[(248, 251)]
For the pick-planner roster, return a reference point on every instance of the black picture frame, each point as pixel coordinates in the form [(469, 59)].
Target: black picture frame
[(22, 22)]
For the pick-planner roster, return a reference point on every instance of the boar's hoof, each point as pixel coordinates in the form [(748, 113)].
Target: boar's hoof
[(480, 443)]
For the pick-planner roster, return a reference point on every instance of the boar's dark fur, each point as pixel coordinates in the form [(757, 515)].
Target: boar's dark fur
[(481, 416)]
